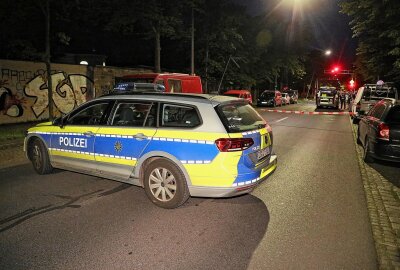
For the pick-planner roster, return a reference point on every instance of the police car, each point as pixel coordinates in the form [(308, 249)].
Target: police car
[(173, 145)]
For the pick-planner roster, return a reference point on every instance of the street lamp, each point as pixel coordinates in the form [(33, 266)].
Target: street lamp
[(328, 52)]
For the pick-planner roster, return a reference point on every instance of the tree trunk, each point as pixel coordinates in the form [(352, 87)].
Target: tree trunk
[(157, 61), (47, 60)]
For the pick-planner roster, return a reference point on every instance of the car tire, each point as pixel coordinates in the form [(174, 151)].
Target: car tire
[(358, 136), (39, 157), (165, 184), (367, 155)]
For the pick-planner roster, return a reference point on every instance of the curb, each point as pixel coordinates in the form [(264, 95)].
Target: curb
[(308, 113), (383, 202)]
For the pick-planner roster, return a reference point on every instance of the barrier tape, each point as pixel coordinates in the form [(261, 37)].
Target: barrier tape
[(309, 113)]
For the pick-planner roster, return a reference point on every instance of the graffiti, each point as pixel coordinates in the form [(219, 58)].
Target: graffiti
[(10, 104), (68, 92)]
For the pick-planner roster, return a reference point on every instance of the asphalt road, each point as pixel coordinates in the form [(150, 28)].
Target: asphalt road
[(310, 214)]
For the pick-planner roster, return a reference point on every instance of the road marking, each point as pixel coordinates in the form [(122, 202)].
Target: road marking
[(281, 119)]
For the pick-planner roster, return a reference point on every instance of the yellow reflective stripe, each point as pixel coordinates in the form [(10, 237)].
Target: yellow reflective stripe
[(86, 155), (116, 160)]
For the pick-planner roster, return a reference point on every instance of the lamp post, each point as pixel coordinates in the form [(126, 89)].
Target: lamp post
[(326, 53)]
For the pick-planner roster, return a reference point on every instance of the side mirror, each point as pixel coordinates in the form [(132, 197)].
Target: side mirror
[(59, 121)]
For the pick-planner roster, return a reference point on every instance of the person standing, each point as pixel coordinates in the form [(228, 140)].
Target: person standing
[(342, 99)]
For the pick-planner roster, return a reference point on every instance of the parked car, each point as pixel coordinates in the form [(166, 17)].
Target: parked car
[(379, 131), (270, 98), (172, 82), (285, 99), (245, 94), (173, 145)]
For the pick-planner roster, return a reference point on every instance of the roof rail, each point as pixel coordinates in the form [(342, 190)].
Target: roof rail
[(148, 93)]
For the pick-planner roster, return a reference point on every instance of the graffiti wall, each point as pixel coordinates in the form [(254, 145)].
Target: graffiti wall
[(24, 88)]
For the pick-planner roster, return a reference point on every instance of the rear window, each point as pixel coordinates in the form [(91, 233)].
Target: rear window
[(232, 95), (267, 94), (394, 115), (239, 117)]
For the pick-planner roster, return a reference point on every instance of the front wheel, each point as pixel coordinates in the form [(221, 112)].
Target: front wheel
[(39, 157), (165, 184), (367, 155)]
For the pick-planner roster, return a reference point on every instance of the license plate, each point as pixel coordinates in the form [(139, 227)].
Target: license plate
[(262, 153), (323, 95)]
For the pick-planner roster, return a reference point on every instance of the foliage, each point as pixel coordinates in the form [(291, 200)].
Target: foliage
[(376, 26), (267, 48)]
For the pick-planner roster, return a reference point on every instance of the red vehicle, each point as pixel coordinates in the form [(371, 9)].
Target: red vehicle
[(245, 94), (173, 82)]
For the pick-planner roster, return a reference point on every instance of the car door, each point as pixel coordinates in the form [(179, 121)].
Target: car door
[(118, 146), (372, 120), (72, 143)]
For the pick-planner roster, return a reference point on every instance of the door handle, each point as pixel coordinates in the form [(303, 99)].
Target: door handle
[(88, 133), (140, 136)]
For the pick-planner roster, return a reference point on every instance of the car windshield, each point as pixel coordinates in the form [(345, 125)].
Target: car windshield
[(239, 117), (268, 94)]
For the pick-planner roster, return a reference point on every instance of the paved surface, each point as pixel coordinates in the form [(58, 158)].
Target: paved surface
[(384, 211), (11, 153), (383, 199)]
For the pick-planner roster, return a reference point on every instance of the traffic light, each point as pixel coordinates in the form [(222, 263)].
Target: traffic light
[(335, 69)]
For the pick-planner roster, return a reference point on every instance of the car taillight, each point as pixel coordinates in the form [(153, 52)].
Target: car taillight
[(233, 144), (383, 130)]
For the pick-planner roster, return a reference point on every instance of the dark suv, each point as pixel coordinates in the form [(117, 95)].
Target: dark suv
[(379, 131), (270, 98)]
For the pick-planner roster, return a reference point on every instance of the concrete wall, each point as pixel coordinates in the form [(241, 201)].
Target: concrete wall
[(23, 88)]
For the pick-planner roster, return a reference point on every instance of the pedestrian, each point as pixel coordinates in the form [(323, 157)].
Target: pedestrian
[(342, 99), (349, 101)]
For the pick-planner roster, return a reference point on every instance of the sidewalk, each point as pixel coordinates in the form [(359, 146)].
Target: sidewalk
[(383, 202)]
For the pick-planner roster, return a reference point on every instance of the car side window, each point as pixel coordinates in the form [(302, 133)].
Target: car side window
[(134, 114), (88, 116), (179, 116), (394, 115)]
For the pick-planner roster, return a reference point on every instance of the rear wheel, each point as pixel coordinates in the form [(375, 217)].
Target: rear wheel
[(39, 157), (165, 184), (367, 155), (358, 136)]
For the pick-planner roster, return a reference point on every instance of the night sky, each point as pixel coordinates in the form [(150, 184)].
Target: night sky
[(330, 28)]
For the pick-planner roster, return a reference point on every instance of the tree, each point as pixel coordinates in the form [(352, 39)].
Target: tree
[(376, 26), (156, 19)]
